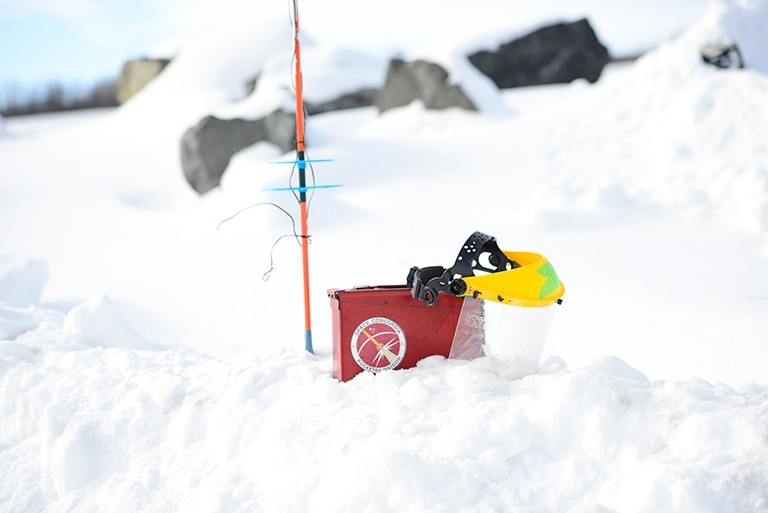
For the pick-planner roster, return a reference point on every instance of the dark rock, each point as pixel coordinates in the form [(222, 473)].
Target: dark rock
[(420, 80), (207, 148), (722, 56), (135, 75), (554, 54), (353, 100), (250, 86)]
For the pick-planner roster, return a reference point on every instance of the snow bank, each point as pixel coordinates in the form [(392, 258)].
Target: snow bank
[(626, 28), (21, 284), (22, 281), (111, 429), (94, 323), (742, 22), (14, 320), (210, 73), (677, 133), (327, 74), (700, 126), (97, 323)]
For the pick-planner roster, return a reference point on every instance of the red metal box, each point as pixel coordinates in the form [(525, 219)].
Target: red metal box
[(384, 327)]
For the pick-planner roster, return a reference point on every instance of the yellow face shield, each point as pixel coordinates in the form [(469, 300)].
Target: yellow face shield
[(533, 284), (482, 270), (489, 279)]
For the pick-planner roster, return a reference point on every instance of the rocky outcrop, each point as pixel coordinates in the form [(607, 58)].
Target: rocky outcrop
[(135, 75), (554, 54), (420, 80), (722, 56), (207, 148), (353, 100), (250, 85)]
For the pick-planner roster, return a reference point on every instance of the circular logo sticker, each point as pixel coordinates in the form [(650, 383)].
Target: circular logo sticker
[(378, 344)]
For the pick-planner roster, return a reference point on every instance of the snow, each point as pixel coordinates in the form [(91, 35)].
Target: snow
[(22, 281), (145, 365), (277, 432), (741, 22), (97, 323)]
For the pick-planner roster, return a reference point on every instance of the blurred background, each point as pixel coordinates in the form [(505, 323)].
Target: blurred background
[(63, 55)]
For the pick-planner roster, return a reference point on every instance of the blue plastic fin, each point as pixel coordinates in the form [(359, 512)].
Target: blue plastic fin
[(300, 161), (302, 189)]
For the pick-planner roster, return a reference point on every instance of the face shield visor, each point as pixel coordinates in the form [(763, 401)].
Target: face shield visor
[(493, 282), (488, 328)]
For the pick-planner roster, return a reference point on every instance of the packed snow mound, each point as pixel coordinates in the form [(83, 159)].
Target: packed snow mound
[(21, 283), (612, 366), (94, 323), (15, 321), (685, 134), (97, 323), (329, 72), (111, 429), (22, 280), (703, 126), (210, 75), (725, 22), (211, 72), (742, 22)]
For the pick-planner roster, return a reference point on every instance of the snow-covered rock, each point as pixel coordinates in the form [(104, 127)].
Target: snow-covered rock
[(742, 22)]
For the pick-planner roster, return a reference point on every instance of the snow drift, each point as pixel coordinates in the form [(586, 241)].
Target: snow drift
[(111, 429)]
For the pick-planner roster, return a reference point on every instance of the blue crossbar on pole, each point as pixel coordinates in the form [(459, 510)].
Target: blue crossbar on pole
[(300, 162), (302, 189)]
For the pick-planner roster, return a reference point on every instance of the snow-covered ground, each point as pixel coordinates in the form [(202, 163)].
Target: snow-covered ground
[(146, 366)]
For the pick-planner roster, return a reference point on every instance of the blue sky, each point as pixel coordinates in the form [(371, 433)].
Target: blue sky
[(40, 48), (79, 42), (75, 42)]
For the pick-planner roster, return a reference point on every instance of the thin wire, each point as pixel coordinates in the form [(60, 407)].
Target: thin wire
[(268, 273), (294, 17), (290, 184), (295, 234), (313, 181), (293, 221), (291, 12)]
